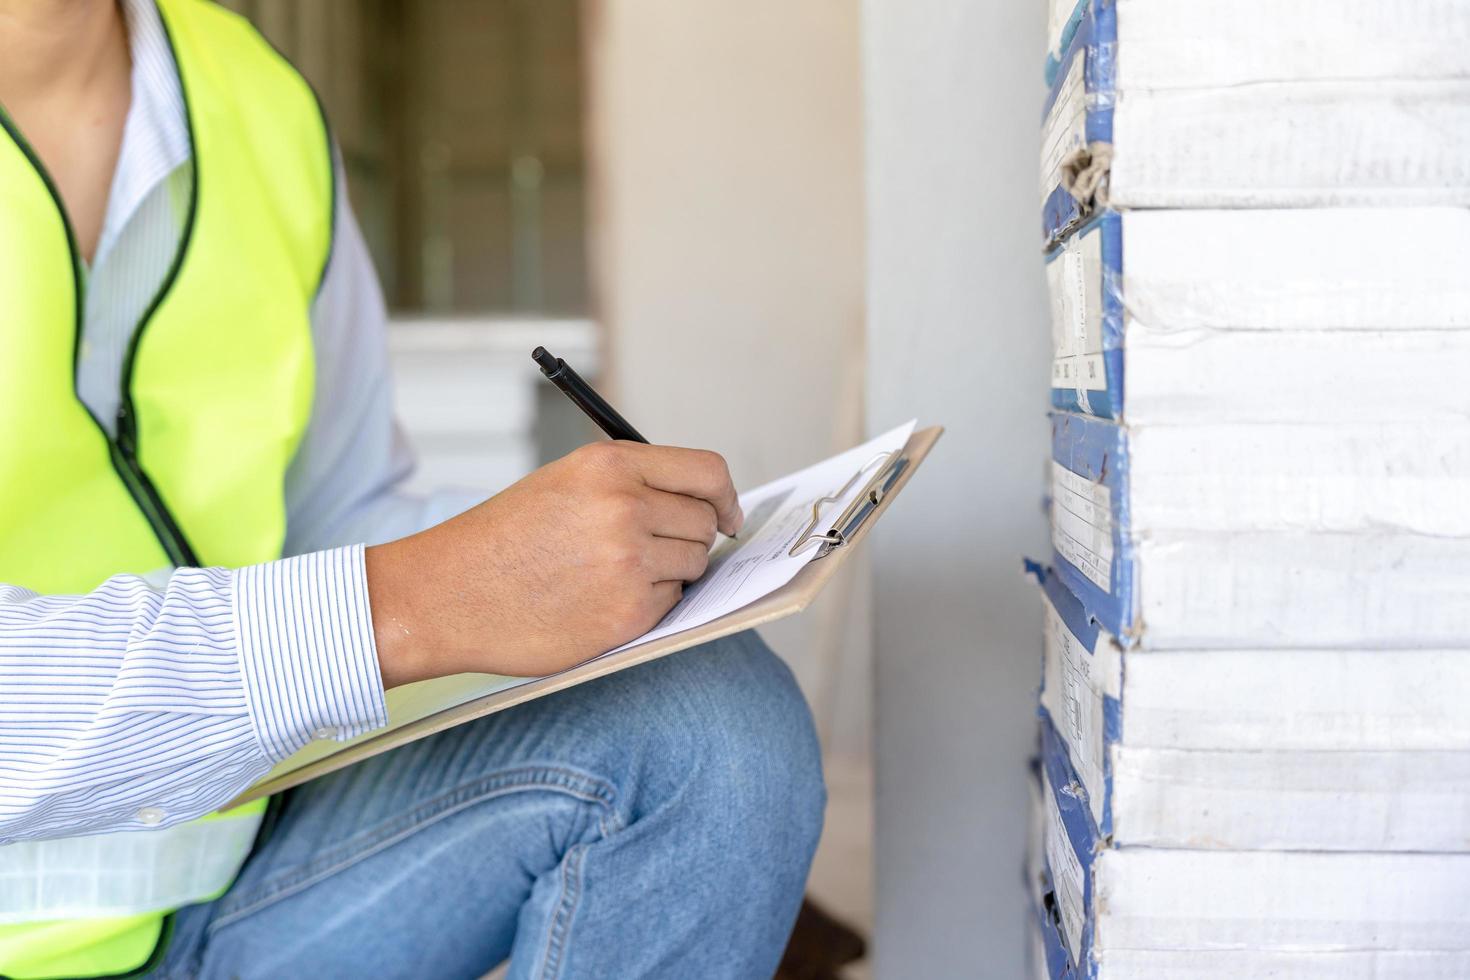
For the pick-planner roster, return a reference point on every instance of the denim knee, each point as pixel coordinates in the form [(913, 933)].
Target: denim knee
[(752, 747)]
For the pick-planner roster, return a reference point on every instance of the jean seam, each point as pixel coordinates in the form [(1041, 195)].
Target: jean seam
[(586, 788), (561, 923)]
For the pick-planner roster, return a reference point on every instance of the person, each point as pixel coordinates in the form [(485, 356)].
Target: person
[(196, 441)]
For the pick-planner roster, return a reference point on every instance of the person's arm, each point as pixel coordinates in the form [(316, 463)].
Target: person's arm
[(129, 702)]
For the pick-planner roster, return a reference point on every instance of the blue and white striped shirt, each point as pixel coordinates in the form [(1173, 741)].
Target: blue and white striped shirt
[(175, 698)]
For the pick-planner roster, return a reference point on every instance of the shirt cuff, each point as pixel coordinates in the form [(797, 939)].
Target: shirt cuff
[(305, 638)]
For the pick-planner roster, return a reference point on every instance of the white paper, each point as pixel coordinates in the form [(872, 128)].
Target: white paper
[(1331, 700), (1217, 376), (1311, 144), (759, 562), (1338, 477), (1209, 43), (1291, 800), (1373, 269), (1160, 898), (1275, 590)]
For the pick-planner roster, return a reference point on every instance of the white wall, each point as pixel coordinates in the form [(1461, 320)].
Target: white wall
[(726, 197), (958, 335)]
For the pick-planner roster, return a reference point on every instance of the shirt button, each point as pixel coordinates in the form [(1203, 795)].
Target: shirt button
[(151, 815), (324, 733)]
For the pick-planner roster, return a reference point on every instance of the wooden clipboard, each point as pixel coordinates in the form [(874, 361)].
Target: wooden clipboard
[(793, 597)]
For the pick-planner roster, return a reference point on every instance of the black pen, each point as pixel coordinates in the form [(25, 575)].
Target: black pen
[(585, 397)]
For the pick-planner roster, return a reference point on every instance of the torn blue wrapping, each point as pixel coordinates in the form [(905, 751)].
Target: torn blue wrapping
[(1041, 895), (1081, 841), (1090, 519), (1069, 607), (1077, 704), (1059, 965), (1078, 112), (1084, 275)]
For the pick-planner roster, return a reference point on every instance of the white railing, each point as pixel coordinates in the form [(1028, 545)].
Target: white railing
[(465, 389)]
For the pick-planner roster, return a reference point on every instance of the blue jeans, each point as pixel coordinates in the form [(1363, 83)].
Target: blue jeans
[(659, 822)]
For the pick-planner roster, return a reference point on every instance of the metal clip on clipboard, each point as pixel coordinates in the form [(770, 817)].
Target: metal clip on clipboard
[(889, 465)]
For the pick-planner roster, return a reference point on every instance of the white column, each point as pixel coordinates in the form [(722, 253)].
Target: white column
[(957, 333)]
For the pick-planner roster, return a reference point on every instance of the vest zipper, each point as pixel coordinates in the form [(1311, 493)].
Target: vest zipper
[(122, 448), (125, 460)]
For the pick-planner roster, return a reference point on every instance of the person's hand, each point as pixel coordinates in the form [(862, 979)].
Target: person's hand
[(580, 557)]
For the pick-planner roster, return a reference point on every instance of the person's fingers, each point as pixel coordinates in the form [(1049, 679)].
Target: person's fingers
[(692, 472), (666, 595), (675, 560), (674, 515)]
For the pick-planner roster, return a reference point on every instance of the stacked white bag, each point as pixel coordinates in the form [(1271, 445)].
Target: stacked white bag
[(1256, 692)]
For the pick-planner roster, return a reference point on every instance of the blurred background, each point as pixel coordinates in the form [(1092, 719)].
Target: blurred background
[(765, 228)]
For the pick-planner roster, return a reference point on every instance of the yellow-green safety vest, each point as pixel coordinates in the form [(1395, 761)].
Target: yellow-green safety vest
[(216, 392)]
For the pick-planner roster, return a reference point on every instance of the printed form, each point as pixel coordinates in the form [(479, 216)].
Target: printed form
[(760, 561)]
